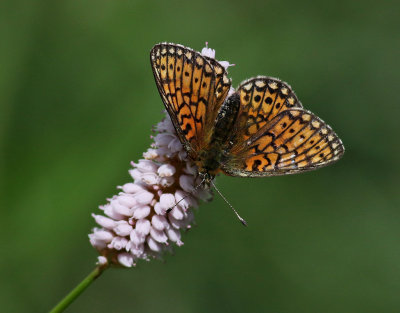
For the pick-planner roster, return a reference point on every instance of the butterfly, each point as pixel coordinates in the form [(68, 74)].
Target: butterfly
[(259, 129)]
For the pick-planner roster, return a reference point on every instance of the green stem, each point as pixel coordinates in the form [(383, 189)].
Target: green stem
[(69, 298)]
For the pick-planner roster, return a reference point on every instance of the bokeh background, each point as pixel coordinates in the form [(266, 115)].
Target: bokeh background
[(78, 101)]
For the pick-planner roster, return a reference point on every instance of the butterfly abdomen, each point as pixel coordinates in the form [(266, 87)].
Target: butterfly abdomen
[(225, 120)]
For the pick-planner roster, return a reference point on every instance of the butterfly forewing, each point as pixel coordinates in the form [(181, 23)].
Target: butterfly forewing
[(262, 98), (192, 89), (295, 140)]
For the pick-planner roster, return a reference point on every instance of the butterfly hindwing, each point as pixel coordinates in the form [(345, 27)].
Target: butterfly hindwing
[(222, 82), (294, 141), (222, 87), (192, 89)]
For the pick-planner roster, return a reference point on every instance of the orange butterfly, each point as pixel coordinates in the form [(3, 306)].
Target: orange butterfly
[(259, 130)]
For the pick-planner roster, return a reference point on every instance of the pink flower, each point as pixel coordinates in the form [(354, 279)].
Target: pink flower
[(144, 219)]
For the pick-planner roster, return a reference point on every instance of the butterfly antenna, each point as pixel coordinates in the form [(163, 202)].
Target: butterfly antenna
[(231, 206), (194, 189)]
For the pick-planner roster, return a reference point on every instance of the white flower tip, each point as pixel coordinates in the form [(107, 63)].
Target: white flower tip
[(166, 170), (126, 259), (225, 64), (123, 228), (141, 212), (208, 52), (150, 154), (150, 179), (167, 201), (101, 260), (143, 227)]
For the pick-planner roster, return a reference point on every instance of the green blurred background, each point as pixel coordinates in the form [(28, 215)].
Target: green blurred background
[(78, 101)]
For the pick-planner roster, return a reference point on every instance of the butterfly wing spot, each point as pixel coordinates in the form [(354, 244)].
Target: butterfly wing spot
[(244, 99), (264, 142), (201, 110), (273, 85), (315, 124), (247, 87), (163, 69), (188, 55), (303, 164), (253, 128), (196, 81), (218, 70), (186, 122), (186, 79), (291, 101), (199, 61), (257, 163), (260, 84)]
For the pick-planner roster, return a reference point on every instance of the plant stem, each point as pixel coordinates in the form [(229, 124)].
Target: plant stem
[(69, 298)]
